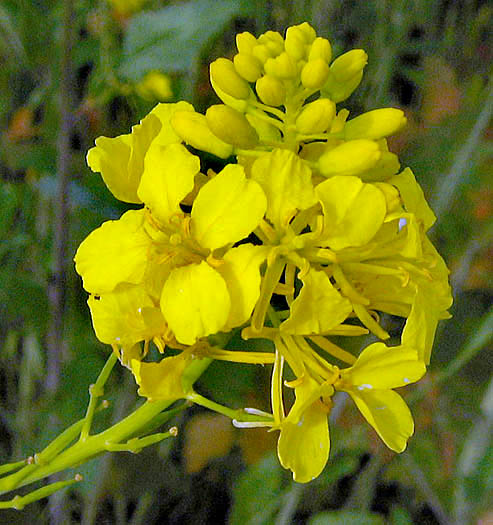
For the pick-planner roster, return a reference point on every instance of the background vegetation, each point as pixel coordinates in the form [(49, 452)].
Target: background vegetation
[(71, 71)]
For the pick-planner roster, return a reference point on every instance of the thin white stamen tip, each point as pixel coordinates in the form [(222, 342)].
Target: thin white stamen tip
[(365, 387), (402, 223), (256, 412), (139, 310), (249, 424)]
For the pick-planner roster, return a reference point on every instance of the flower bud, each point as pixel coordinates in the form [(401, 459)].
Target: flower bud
[(231, 126), (271, 91), (261, 52), (314, 74), (320, 49), (223, 73), (375, 124), (308, 32), (386, 167), (348, 65), (339, 92), (245, 42), (192, 128), (283, 67), (316, 116), (274, 42), (248, 67), (349, 158), (345, 74), (295, 44)]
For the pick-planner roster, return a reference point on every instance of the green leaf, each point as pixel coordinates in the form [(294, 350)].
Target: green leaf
[(171, 39), (256, 496), (343, 517)]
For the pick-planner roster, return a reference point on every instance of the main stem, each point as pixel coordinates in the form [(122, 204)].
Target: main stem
[(95, 445)]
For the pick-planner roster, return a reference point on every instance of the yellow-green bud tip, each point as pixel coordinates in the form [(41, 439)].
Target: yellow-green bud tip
[(349, 158), (271, 91), (316, 117), (224, 75), (315, 73), (248, 66), (193, 129), (375, 124), (231, 126)]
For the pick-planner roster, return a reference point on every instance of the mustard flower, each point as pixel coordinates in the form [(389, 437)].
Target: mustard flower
[(311, 207)]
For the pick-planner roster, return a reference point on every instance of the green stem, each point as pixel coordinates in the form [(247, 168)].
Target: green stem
[(97, 444), (238, 414), (96, 391)]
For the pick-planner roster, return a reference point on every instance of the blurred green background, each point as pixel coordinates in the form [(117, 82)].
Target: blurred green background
[(74, 70)]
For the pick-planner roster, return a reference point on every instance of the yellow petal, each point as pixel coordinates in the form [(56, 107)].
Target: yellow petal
[(388, 414), (125, 316), (419, 331), (164, 112), (195, 302), (380, 367), (286, 181), (120, 160), (168, 178), (227, 209), (413, 197), (304, 444), (241, 271), (161, 381), (318, 308), (114, 253), (353, 211)]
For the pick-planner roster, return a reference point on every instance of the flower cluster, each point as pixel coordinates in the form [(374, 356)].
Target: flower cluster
[(311, 207)]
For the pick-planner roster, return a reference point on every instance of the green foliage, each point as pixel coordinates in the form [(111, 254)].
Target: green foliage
[(172, 39), (257, 494)]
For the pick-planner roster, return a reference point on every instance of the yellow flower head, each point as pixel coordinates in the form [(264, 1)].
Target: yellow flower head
[(309, 232)]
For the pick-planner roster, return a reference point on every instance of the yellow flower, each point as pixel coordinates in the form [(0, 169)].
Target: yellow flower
[(162, 248), (369, 381)]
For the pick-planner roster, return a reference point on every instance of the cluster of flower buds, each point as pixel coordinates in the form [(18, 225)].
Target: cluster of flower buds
[(310, 207)]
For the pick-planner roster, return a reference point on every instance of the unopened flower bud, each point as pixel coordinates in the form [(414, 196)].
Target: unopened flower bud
[(316, 116), (231, 126), (295, 44), (315, 73), (386, 167), (320, 49), (348, 65), (345, 74), (283, 66), (223, 73), (245, 42), (271, 91), (192, 128), (308, 32), (340, 91), (375, 124), (274, 42), (261, 52), (248, 67), (349, 158)]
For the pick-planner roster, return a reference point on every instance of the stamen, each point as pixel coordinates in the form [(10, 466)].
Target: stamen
[(369, 322), (346, 288), (333, 349), (250, 424)]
